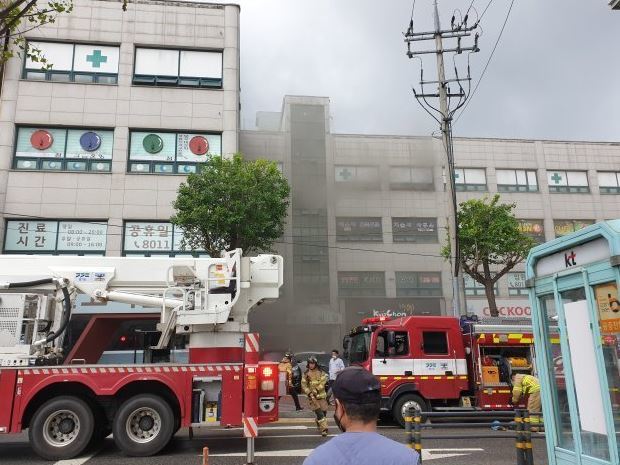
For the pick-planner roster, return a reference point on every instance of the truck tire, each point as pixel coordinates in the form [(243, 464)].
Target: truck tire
[(61, 428), (143, 425), (405, 401)]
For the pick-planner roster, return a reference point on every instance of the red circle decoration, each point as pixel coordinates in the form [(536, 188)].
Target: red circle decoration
[(199, 145), (41, 139)]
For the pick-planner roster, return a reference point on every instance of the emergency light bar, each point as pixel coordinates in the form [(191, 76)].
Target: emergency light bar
[(375, 319)]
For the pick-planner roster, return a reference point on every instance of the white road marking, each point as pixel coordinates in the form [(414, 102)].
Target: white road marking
[(433, 454), (76, 461), (272, 453), (427, 454)]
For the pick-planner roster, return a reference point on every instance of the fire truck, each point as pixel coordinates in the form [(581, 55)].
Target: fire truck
[(442, 363), (68, 402)]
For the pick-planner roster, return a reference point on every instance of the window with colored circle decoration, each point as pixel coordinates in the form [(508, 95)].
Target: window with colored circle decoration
[(73, 149), (171, 153)]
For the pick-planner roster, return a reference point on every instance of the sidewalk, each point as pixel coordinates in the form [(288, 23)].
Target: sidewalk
[(287, 408)]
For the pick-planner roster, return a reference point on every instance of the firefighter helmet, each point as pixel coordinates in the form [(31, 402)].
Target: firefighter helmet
[(312, 359)]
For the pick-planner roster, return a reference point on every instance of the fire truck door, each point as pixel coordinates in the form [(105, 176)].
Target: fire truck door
[(392, 356)]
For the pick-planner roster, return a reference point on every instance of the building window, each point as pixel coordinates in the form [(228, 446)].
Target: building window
[(63, 149), (361, 283), (366, 229), (609, 182), (170, 152), (516, 284), (470, 179), (473, 287), (516, 181), (534, 229), (155, 238), (564, 227), (411, 178), (83, 63), (56, 237), (418, 230), (568, 181), (356, 176), (185, 68), (419, 283)]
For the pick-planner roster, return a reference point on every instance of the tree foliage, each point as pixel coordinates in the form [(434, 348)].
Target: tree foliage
[(232, 203), (490, 242), (17, 17)]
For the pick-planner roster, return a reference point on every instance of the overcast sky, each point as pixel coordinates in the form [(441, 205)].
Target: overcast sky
[(555, 74)]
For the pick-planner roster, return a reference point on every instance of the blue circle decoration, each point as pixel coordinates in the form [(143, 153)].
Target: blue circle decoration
[(90, 141)]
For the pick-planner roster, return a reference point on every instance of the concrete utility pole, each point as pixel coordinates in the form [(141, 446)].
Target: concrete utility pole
[(446, 111)]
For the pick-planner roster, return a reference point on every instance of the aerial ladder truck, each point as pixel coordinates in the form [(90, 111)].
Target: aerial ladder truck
[(67, 404)]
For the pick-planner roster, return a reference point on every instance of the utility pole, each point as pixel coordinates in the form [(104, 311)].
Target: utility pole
[(445, 113)]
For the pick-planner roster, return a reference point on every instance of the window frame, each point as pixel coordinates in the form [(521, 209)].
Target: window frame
[(516, 291), (385, 354), (568, 189), (418, 237), (163, 253), (419, 291), (55, 252), (64, 160), (478, 289), (518, 187), (152, 164), (374, 238), (411, 185), (149, 80), (471, 187), (359, 291), (49, 73), (609, 190)]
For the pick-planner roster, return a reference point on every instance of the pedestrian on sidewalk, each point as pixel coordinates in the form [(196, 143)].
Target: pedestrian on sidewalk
[(313, 383), (285, 367), (358, 400), (336, 365)]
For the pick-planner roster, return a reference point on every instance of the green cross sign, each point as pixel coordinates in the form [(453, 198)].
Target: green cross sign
[(345, 174), (556, 178), (97, 58)]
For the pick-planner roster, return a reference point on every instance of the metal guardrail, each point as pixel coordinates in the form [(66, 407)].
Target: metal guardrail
[(519, 419)]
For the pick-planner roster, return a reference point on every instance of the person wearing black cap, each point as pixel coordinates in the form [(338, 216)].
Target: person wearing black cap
[(358, 399)]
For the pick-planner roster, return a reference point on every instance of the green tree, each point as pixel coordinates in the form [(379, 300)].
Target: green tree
[(232, 203), (490, 242)]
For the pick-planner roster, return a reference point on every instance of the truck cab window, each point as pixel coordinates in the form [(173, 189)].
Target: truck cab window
[(435, 342), (399, 349)]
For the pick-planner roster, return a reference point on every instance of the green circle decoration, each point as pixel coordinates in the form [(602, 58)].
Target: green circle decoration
[(152, 143)]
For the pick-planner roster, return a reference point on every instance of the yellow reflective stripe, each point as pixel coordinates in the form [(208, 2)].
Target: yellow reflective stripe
[(424, 377), (526, 340), (397, 377), (383, 378), (515, 336), (450, 377)]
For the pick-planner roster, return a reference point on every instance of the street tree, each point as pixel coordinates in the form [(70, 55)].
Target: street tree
[(232, 203), (490, 242)]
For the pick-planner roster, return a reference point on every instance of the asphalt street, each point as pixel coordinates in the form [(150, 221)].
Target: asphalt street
[(287, 442)]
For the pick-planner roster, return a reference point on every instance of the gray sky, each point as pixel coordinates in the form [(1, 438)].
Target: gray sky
[(554, 75)]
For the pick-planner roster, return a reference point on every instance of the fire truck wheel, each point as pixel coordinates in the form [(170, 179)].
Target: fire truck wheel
[(403, 403), (143, 425), (61, 428)]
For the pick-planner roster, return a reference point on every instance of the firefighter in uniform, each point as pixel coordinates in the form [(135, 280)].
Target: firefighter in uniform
[(285, 367), (528, 385), (313, 384)]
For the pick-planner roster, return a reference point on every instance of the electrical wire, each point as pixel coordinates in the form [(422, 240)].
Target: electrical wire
[(487, 63)]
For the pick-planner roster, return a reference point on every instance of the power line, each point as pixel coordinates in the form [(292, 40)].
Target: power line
[(488, 61), (307, 244)]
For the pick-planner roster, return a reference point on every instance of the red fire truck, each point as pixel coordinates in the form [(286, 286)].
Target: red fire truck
[(67, 401), (442, 363)]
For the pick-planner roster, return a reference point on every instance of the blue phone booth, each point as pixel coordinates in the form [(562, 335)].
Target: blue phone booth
[(573, 286)]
